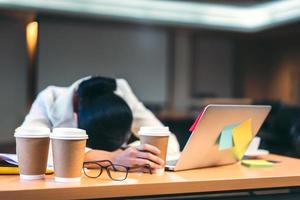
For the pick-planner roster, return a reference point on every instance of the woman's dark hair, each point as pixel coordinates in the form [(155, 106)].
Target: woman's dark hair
[(104, 115)]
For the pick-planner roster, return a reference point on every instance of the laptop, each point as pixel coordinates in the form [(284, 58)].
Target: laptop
[(201, 149)]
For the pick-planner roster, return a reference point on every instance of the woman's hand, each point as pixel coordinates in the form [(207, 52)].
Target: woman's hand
[(139, 157)]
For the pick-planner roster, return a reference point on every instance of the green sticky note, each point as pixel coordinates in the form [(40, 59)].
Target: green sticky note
[(225, 140), (257, 163)]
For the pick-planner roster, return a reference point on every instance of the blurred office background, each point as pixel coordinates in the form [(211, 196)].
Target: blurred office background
[(178, 56)]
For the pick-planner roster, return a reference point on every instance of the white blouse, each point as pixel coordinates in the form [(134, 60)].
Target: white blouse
[(53, 108)]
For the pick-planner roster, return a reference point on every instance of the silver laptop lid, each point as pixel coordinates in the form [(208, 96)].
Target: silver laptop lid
[(201, 149)]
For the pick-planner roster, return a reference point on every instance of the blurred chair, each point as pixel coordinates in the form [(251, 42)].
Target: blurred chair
[(281, 131)]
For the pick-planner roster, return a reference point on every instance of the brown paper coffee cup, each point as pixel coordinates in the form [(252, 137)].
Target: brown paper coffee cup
[(157, 137), (68, 147), (32, 146), (68, 156)]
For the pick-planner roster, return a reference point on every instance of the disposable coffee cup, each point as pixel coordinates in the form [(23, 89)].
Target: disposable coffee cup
[(158, 137), (68, 147), (32, 146)]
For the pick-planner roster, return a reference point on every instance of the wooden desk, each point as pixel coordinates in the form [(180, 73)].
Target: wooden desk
[(217, 179)]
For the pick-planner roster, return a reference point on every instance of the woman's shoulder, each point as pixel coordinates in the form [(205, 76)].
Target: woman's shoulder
[(51, 93), (123, 88), (123, 85), (121, 82)]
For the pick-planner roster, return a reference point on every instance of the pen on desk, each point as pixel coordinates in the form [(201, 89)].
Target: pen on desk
[(273, 161)]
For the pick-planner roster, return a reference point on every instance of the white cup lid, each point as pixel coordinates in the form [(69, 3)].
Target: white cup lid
[(32, 132), (154, 131), (68, 134)]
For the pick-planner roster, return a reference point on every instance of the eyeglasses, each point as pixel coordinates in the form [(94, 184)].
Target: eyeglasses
[(94, 169)]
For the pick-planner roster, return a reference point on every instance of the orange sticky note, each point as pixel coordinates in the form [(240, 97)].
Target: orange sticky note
[(242, 136)]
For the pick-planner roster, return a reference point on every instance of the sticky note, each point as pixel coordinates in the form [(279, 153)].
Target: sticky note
[(242, 136), (225, 138), (196, 122), (15, 170), (257, 163)]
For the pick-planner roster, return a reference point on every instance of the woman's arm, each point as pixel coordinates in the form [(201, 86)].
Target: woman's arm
[(136, 157), (141, 115)]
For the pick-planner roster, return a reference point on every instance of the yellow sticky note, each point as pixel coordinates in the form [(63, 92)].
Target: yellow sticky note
[(9, 170), (49, 171), (257, 163), (242, 136), (15, 170)]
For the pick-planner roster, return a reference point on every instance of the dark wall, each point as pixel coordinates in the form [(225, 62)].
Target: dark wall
[(268, 66), (74, 49), (13, 64)]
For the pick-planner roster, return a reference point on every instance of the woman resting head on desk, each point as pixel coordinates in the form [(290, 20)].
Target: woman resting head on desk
[(109, 111)]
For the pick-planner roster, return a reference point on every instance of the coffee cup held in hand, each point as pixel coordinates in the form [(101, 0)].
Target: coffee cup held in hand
[(68, 147), (32, 146), (158, 137)]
